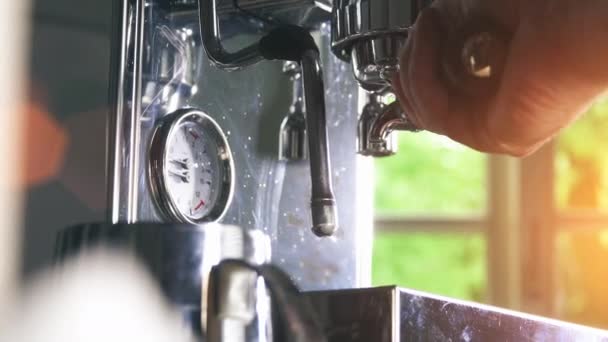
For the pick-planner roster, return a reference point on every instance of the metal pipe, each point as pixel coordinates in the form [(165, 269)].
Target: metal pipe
[(294, 43), (211, 36), (323, 207), (123, 124), (292, 137)]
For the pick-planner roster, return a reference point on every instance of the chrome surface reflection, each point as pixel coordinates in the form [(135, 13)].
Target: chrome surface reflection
[(249, 105), (178, 256), (392, 314)]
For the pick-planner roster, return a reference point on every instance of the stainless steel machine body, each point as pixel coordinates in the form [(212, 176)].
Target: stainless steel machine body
[(160, 65), (391, 314)]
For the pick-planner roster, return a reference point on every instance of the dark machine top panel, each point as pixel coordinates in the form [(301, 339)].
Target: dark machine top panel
[(391, 314)]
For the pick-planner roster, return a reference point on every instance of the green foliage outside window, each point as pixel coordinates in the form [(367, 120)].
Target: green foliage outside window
[(452, 265), (582, 163), (582, 185), (431, 176)]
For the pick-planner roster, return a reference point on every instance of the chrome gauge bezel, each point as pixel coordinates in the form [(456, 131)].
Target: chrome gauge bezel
[(158, 158)]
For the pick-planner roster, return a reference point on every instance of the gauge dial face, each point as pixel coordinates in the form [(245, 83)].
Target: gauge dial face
[(194, 181)]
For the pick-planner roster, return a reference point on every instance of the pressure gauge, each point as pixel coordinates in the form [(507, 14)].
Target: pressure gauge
[(191, 170)]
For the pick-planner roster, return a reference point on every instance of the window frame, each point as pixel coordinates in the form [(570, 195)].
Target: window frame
[(497, 224), (521, 224)]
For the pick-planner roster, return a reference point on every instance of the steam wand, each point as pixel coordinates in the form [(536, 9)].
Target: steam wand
[(290, 43), (294, 43)]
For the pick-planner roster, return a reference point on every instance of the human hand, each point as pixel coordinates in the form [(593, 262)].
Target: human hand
[(555, 67)]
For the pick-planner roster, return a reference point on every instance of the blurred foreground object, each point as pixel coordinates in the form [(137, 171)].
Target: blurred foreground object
[(13, 33), (45, 144), (102, 296)]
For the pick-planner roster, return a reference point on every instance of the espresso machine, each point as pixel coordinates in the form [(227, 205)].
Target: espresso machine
[(239, 141)]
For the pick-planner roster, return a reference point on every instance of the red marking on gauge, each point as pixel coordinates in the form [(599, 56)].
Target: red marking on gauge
[(194, 135), (200, 204)]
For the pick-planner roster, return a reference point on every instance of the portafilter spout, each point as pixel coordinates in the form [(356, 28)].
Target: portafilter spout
[(376, 124), (370, 34)]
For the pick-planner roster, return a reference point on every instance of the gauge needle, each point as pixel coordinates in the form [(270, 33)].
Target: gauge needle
[(194, 135), (182, 175), (183, 163), (200, 204)]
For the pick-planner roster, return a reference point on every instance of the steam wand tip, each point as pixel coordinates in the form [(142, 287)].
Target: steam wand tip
[(325, 218)]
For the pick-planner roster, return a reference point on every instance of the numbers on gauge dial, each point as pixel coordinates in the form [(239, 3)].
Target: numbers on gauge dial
[(192, 171)]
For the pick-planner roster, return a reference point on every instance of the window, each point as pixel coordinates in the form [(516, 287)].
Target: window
[(529, 234), (427, 196), (581, 240), (581, 164), (451, 264), (431, 175)]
